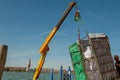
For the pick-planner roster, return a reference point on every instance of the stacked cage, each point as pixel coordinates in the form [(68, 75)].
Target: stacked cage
[(77, 61), (101, 49), (95, 55), (91, 65)]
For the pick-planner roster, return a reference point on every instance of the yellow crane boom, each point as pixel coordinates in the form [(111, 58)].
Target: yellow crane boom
[(44, 48)]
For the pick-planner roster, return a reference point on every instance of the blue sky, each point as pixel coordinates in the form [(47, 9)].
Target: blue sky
[(25, 24)]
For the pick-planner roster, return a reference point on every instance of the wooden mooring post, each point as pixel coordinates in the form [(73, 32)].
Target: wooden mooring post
[(3, 56)]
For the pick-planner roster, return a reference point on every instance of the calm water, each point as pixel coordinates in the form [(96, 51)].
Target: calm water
[(28, 76)]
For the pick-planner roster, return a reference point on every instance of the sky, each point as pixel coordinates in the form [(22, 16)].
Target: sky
[(25, 24)]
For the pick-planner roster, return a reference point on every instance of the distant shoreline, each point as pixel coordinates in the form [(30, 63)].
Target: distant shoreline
[(23, 69)]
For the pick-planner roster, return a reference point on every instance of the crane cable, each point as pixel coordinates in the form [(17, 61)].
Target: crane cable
[(79, 21)]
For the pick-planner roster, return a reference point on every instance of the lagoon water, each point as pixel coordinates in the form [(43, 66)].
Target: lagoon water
[(28, 76)]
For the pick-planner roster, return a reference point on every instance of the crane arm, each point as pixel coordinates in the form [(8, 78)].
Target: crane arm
[(44, 48), (50, 36)]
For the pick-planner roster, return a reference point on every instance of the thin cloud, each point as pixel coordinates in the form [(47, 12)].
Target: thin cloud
[(58, 33), (45, 33)]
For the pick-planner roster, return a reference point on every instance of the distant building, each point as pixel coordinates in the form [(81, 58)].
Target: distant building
[(15, 69), (29, 65)]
